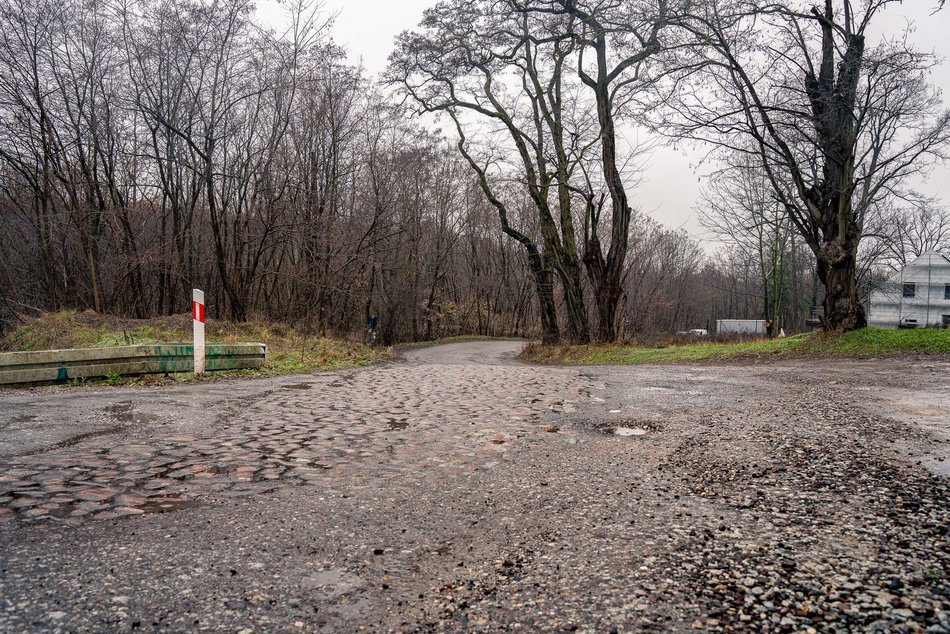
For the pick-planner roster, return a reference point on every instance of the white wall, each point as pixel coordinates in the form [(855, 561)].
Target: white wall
[(930, 273)]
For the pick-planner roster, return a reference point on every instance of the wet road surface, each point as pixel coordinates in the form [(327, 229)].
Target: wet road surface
[(459, 489)]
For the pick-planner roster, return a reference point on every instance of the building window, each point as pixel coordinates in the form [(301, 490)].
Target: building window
[(946, 291), (946, 321), (910, 289)]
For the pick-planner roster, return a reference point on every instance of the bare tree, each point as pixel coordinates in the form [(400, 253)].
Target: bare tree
[(505, 67), (738, 206), (29, 145), (521, 67), (899, 235), (615, 40), (834, 125)]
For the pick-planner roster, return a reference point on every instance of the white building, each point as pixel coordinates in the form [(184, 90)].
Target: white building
[(917, 296)]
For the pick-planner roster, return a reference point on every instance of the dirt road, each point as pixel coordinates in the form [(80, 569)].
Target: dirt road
[(460, 490)]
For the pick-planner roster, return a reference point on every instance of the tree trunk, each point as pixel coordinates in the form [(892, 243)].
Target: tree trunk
[(837, 265), (608, 290), (544, 277), (561, 245), (577, 323), (610, 304)]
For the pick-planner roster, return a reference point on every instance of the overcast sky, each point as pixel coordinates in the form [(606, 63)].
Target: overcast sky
[(366, 29)]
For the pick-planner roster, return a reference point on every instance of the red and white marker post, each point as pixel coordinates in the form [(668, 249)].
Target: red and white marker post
[(198, 315)]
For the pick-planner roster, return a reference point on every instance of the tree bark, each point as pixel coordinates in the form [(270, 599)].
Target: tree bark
[(837, 265)]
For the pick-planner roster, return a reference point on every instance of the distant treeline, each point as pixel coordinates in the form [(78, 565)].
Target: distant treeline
[(148, 148)]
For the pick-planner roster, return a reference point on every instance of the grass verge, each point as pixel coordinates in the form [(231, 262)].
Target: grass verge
[(866, 342), (289, 351)]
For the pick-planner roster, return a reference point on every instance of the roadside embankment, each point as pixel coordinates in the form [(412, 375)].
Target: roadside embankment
[(863, 343), (289, 350)]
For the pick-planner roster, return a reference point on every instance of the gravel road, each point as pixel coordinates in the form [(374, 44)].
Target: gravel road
[(459, 490)]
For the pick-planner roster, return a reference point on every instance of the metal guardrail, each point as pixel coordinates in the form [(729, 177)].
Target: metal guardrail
[(58, 366)]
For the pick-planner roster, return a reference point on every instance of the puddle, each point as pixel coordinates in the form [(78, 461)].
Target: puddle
[(625, 431), (124, 412), (297, 386), (166, 504), (343, 380), (120, 408), (331, 583), (940, 466)]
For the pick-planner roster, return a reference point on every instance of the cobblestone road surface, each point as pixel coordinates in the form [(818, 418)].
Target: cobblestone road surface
[(460, 490)]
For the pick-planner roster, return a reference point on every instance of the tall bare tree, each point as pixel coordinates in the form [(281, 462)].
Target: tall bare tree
[(500, 71), (615, 43), (898, 235), (835, 125), (521, 68)]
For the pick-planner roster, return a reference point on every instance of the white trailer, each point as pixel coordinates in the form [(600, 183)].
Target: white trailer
[(740, 326)]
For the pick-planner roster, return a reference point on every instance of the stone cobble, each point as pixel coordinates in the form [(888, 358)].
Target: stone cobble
[(399, 421)]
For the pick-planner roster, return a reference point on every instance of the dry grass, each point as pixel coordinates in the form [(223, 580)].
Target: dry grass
[(288, 350)]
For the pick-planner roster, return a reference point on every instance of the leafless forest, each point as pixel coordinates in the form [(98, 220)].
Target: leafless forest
[(151, 146)]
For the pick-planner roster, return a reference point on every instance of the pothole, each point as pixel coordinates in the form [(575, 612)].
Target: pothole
[(625, 431), (630, 427), (124, 412)]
